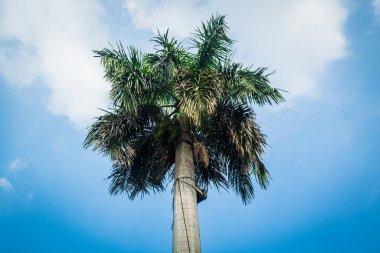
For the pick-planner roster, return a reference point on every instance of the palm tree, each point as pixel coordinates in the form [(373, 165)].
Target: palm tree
[(183, 115)]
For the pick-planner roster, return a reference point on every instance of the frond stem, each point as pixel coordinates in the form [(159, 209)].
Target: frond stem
[(169, 105), (167, 91), (174, 112)]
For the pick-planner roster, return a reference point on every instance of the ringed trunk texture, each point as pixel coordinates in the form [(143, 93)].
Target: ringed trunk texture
[(186, 237)]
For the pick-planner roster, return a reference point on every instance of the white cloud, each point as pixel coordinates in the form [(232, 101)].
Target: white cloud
[(5, 184), (18, 164), (52, 40), (180, 16), (376, 6), (299, 39), (19, 64)]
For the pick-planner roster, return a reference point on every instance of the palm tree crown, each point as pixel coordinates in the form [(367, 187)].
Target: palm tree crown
[(152, 92)]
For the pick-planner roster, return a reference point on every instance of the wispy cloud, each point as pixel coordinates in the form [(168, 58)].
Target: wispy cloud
[(18, 164), (376, 6), (5, 184), (52, 42), (299, 39)]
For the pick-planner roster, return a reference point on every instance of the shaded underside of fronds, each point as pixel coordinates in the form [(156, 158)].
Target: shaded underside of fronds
[(152, 92)]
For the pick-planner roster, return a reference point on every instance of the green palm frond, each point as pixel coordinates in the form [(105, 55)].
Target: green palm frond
[(167, 52), (236, 123), (233, 133), (146, 172), (211, 173), (169, 55), (166, 131), (199, 96), (248, 85), (212, 43), (240, 181), (132, 80), (132, 141), (114, 133), (261, 173)]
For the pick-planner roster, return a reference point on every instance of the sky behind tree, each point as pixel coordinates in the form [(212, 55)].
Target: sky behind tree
[(323, 153)]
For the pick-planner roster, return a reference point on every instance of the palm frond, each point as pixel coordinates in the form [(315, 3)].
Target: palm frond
[(240, 181), (132, 81), (169, 55), (261, 173), (139, 147), (211, 173), (233, 133), (236, 122), (145, 174), (248, 85), (114, 133), (199, 95), (167, 51), (212, 42)]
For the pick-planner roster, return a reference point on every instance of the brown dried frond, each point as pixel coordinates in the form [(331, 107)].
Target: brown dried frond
[(201, 154), (199, 95), (245, 169)]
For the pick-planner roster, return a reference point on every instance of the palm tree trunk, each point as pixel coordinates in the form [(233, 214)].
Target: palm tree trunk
[(186, 236)]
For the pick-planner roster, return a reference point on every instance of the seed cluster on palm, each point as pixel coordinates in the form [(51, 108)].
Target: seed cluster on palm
[(196, 95)]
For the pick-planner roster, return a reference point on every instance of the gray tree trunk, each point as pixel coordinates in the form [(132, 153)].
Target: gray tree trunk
[(186, 236)]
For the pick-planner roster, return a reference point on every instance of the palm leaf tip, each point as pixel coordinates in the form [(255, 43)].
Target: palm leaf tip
[(145, 174), (212, 42), (249, 86), (262, 175)]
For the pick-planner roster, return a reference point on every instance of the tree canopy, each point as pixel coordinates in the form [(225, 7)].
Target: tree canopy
[(150, 92)]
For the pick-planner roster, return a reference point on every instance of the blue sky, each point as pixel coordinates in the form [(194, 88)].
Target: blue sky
[(324, 148)]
